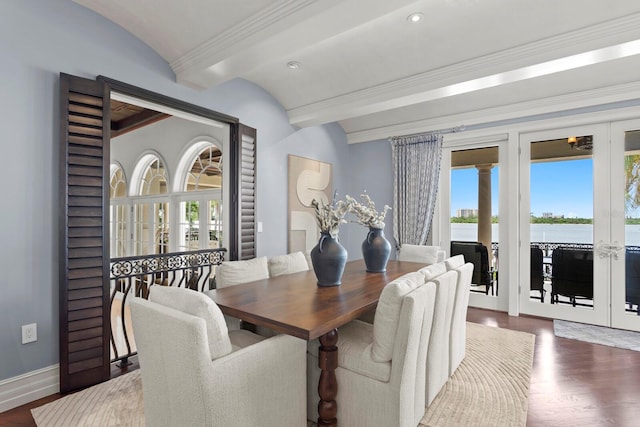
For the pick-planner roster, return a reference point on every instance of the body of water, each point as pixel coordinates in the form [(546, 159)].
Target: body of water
[(556, 233)]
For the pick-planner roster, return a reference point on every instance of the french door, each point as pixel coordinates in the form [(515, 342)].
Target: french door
[(625, 251), (469, 220), (577, 222)]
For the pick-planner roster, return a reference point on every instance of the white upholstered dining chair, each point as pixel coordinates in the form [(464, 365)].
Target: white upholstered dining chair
[(458, 336), (378, 374), (287, 264), (437, 359), (421, 253), (195, 374), (231, 273)]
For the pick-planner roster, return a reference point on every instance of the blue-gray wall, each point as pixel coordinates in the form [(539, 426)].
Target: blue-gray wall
[(370, 169), (38, 40)]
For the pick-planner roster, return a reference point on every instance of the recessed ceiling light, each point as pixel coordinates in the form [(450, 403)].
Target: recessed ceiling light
[(294, 65), (415, 17)]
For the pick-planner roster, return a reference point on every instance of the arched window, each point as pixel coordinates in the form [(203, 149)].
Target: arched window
[(154, 180), (206, 170), (151, 214), (201, 221), (118, 187)]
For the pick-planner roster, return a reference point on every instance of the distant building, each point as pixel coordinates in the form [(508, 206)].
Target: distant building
[(551, 215), (467, 213)]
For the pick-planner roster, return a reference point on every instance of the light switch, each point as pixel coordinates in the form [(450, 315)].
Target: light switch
[(259, 226)]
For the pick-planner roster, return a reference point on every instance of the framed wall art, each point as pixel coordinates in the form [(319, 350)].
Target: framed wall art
[(308, 179)]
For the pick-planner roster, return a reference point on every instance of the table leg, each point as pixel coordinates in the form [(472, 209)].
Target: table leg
[(328, 385)]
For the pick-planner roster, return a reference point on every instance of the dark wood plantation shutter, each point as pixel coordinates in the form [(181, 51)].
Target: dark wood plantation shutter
[(247, 191), (84, 254)]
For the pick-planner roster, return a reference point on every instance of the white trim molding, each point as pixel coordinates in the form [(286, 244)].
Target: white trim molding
[(549, 105), (535, 59), (28, 387)]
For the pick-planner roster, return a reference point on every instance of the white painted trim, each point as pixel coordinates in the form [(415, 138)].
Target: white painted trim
[(428, 85), (217, 46), (28, 387), (549, 105)]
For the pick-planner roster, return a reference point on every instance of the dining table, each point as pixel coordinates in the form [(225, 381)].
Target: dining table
[(294, 304)]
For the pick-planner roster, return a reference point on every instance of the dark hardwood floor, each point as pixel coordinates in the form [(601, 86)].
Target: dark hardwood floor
[(573, 383)]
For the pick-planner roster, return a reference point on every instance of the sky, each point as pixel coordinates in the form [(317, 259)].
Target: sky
[(561, 188)]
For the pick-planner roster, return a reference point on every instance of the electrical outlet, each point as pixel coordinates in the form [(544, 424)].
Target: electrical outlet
[(29, 333)]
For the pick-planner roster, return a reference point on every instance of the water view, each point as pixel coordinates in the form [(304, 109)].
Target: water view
[(556, 233)]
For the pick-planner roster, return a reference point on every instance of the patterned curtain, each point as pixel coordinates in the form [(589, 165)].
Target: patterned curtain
[(416, 170)]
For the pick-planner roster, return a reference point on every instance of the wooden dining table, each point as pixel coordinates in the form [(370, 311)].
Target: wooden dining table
[(294, 304)]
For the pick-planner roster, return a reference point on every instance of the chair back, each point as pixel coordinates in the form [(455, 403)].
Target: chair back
[(572, 272), (421, 253), (437, 363), (232, 273), (287, 264), (236, 272), (410, 351), (477, 254), (537, 269), (458, 335), (632, 276), (166, 338)]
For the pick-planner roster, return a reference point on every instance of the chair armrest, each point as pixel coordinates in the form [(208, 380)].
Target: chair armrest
[(268, 378)]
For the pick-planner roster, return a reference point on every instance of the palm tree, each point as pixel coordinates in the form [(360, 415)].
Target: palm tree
[(632, 182)]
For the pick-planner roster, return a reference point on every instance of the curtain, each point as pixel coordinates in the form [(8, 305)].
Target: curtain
[(416, 171)]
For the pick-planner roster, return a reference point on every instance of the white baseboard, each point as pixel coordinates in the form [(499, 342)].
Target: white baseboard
[(28, 387)]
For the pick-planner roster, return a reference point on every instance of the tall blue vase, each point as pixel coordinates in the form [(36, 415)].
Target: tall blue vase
[(376, 250), (328, 258)]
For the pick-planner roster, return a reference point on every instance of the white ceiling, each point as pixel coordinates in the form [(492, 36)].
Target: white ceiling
[(364, 65)]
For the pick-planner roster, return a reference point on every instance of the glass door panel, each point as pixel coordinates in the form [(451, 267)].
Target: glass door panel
[(215, 224), (564, 222), (118, 230), (474, 214), (189, 226), (151, 228), (624, 250), (561, 222)]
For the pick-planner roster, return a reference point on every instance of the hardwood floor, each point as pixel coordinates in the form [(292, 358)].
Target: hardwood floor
[(573, 383)]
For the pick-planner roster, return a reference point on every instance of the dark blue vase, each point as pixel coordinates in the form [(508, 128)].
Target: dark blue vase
[(375, 251), (328, 258)]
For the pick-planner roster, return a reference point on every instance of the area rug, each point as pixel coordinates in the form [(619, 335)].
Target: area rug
[(117, 402), (490, 388), (597, 334)]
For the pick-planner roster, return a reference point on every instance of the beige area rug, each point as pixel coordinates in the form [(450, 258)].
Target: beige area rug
[(490, 388), (117, 402)]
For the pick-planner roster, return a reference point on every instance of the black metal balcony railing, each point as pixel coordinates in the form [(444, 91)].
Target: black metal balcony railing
[(134, 276)]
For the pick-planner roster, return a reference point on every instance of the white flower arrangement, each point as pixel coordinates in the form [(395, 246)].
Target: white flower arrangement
[(366, 212), (329, 217)]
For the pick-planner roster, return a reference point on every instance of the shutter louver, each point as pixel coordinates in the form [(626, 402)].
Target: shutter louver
[(247, 190), (84, 320)]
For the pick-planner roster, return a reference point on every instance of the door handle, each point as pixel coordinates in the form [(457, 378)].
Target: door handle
[(602, 249), (608, 250), (615, 250)]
